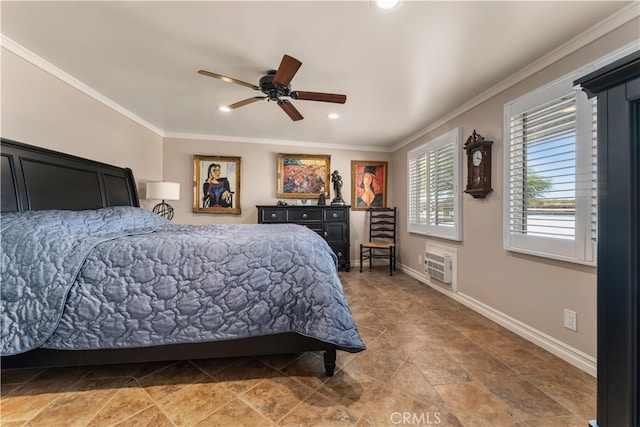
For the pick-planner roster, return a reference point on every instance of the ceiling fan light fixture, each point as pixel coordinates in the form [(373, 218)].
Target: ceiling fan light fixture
[(275, 85)]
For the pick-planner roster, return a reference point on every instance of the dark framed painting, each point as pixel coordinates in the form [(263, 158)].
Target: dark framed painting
[(216, 184), (303, 176), (368, 184)]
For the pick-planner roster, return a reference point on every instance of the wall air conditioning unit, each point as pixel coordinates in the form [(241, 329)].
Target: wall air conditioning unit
[(438, 266)]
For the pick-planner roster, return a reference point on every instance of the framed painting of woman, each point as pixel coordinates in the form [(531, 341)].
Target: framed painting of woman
[(368, 184), (216, 186)]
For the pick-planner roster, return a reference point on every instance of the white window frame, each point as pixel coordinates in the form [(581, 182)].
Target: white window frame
[(582, 249), (451, 139)]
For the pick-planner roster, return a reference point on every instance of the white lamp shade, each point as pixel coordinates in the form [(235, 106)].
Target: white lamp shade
[(163, 190)]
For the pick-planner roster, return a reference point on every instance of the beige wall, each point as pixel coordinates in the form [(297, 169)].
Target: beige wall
[(523, 289), (42, 110), (258, 178)]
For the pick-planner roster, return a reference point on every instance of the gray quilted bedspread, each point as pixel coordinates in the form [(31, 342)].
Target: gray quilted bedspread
[(124, 277)]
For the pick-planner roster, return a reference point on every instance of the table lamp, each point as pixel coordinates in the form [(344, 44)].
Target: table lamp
[(163, 191)]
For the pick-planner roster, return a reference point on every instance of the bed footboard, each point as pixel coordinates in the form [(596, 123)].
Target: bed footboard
[(255, 346)]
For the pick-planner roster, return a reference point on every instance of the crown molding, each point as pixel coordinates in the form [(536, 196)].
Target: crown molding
[(265, 141), (51, 69), (605, 26)]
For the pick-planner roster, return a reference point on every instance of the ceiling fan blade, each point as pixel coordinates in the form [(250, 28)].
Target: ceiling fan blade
[(245, 102), (291, 111), (318, 96), (228, 79), (287, 69)]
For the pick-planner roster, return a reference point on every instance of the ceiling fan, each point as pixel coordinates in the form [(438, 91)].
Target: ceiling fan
[(276, 84)]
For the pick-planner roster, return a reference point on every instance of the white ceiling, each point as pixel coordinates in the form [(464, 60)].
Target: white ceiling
[(401, 69)]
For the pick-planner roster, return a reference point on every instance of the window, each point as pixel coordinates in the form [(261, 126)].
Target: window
[(550, 173), (435, 180)]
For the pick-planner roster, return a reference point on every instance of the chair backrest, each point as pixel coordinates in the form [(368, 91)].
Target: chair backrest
[(382, 224)]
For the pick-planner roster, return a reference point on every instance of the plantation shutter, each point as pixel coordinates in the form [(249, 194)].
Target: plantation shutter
[(434, 179), (550, 206), (417, 193), (441, 183), (594, 174), (542, 170)]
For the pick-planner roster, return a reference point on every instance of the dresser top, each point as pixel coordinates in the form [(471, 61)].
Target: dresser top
[(303, 206)]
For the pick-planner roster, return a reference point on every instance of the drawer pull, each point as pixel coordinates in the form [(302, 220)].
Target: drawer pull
[(326, 234), (304, 215), (339, 254), (273, 215), (335, 215)]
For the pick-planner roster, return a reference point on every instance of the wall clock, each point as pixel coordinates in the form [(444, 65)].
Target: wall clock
[(478, 166)]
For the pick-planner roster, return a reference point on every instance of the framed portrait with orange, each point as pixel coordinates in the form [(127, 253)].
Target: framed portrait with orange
[(368, 184)]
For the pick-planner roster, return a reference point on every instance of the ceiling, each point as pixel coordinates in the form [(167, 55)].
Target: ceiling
[(402, 69)]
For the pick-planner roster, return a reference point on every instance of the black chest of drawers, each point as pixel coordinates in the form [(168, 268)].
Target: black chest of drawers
[(331, 222)]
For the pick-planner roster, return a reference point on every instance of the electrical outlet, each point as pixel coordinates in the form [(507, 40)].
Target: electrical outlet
[(419, 259), (570, 320)]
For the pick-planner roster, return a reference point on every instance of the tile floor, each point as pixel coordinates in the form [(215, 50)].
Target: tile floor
[(429, 361)]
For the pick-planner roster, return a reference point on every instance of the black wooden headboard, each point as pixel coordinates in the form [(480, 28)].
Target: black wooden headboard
[(35, 178)]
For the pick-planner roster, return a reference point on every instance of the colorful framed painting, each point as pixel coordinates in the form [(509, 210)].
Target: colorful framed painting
[(216, 184), (368, 184), (302, 176)]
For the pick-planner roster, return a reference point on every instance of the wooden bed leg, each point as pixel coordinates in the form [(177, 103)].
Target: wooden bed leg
[(330, 362)]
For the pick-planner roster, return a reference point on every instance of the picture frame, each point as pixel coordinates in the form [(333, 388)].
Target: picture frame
[(303, 176), (368, 184), (216, 184)]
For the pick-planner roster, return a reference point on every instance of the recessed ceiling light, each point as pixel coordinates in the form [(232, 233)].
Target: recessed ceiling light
[(333, 116), (386, 4), (224, 108)]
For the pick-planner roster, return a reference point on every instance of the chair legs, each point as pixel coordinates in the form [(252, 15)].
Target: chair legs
[(394, 259), (370, 256)]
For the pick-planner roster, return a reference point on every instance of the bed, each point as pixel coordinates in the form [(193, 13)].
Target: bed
[(88, 277)]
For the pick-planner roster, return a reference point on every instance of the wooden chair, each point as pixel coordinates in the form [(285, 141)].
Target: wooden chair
[(382, 237)]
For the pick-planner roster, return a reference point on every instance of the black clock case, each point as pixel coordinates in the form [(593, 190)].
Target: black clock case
[(481, 189)]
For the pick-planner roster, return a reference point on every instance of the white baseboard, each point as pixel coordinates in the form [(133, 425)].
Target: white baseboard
[(565, 352)]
